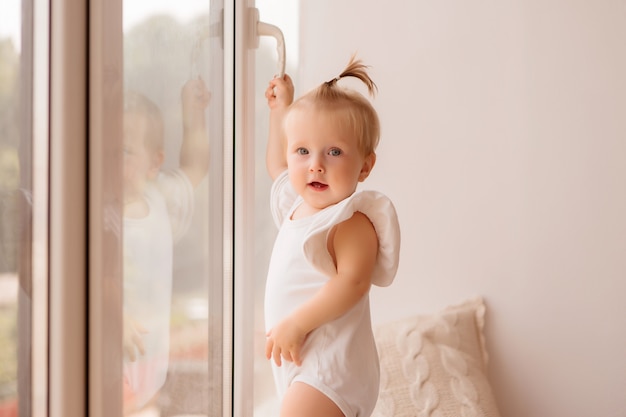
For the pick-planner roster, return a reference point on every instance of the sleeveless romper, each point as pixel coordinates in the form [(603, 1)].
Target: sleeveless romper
[(339, 358)]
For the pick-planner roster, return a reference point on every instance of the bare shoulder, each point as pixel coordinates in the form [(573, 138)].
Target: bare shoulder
[(356, 236), (358, 223)]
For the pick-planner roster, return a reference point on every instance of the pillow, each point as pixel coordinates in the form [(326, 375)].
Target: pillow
[(435, 365)]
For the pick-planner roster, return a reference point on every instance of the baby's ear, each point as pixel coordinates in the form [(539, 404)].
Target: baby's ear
[(368, 164), (157, 161)]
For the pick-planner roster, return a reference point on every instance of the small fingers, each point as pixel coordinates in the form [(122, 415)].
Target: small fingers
[(276, 355), (140, 346), (276, 83), (269, 346), (196, 88), (130, 352), (140, 329), (272, 350), (287, 356), (296, 358)]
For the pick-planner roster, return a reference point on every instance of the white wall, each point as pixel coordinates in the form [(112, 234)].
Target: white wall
[(504, 149)]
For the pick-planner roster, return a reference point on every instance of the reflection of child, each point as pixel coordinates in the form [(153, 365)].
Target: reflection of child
[(158, 207), (333, 243)]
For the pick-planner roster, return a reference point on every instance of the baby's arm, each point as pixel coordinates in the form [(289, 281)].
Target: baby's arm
[(354, 247), (194, 152), (279, 96)]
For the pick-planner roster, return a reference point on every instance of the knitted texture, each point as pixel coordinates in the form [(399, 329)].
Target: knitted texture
[(434, 365)]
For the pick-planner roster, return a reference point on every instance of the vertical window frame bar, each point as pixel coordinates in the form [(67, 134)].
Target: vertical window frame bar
[(243, 211), (228, 340), (68, 209), (105, 211), (40, 174)]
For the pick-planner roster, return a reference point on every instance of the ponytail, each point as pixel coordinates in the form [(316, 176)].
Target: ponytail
[(356, 69), (353, 108)]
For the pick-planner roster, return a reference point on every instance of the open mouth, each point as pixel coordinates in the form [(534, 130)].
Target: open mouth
[(318, 186)]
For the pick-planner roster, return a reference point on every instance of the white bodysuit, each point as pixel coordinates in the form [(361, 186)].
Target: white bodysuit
[(148, 255), (339, 358)]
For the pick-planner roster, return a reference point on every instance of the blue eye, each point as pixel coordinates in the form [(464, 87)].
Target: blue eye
[(334, 152), (302, 151)]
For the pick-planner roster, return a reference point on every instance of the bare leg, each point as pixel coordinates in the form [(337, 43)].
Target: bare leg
[(302, 400)]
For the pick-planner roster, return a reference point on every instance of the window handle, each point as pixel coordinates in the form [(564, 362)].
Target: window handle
[(215, 29), (266, 29)]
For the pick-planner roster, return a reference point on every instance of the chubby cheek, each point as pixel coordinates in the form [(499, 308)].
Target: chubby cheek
[(130, 168), (132, 173), (293, 161), (296, 167), (296, 178)]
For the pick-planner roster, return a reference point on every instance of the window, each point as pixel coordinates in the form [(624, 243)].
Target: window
[(23, 209), (157, 207), (79, 270)]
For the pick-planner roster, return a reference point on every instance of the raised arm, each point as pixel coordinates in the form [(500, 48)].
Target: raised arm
[(194, 152), (354, 246), (279, 96)]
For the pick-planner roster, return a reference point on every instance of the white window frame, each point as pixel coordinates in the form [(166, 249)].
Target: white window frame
[(71, 385)]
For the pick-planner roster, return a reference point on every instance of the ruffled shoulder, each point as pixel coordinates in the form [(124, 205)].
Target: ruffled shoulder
[(380, 211), (282, 198), (177, 190)]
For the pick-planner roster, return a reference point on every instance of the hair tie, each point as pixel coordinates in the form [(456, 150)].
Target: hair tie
[(333, 81)]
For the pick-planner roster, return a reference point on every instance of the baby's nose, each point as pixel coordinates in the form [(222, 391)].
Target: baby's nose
[(316, 165)]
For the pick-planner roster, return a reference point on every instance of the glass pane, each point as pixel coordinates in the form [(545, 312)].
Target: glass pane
[(17, 205), (11, 198), (164, 175), (285, 16), (172, 54)]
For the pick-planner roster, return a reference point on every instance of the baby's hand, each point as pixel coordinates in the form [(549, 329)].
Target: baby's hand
[(195, 97), (131, 338), (195, 93), (279, 93), (286, 340)]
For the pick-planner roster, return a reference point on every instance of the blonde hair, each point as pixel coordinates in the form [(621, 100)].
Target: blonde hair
[(138, 104), (350, 106)]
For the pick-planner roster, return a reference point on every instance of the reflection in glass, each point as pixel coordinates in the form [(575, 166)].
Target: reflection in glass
[(12, 197), (172, 116), (158, 209), (16, 208)]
